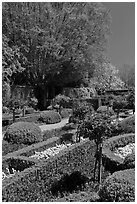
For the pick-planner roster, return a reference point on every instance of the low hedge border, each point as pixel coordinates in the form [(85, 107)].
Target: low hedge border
[(18, 163), (27, 151), (33, 184), (112, 162)]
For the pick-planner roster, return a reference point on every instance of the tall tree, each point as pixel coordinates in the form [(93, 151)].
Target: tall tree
[(60, 40)]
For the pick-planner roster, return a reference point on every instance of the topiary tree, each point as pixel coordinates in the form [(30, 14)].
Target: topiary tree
[(60, 101), (23, 132), (97, 127)]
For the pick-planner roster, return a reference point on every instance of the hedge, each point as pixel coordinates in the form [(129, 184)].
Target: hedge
[(112, 162), (119, 187), (29, 150), (34, 184), (129, 161), (127, 125)]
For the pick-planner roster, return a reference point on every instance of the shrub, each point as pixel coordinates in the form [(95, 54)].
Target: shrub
[(119, 187), (81, 109), (129, 161), (23, 132), (5, 109), (29, 110), (49, 117), (105, 109), (62, 100), (127, 125), (65, 112)]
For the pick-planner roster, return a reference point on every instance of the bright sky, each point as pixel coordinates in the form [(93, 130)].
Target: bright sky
[(122, 41)]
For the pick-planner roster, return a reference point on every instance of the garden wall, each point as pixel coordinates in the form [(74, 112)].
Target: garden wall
[(33, 184)]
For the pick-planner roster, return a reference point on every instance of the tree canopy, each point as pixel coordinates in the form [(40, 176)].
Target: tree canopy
[(53, 42)]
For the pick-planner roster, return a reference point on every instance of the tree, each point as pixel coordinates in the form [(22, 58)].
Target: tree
[(60, 40), (106, 77), (97, 127)]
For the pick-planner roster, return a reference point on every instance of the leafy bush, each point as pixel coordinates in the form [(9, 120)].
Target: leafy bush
[(119, 187), (129, 161), (33, 102), (29, 110), (23, 132), (49, 117), (105, 109), (66, 112), (81, 109), (5, 109), (127, 125), (119, 102), (62, 101)]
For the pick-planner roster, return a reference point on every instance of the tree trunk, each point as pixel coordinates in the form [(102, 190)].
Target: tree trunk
[(100, 164)]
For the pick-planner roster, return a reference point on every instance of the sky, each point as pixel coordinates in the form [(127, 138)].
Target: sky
[(121, 48)]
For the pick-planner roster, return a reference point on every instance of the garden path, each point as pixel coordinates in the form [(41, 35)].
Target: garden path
[(54, 126)]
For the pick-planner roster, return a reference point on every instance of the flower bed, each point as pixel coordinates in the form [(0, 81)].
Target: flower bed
[(124, 151), (111, 161)]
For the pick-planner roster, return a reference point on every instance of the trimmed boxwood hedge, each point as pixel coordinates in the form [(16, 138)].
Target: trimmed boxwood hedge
[(23, 132), (129, 161), (49, 117), (112, 162), (34, 184), (119, 187), (127, 125)]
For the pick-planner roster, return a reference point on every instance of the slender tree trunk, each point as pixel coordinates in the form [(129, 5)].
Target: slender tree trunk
[(100, 164), (96, 155)]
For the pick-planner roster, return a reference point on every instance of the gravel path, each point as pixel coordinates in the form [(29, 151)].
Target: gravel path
[(54, 126)]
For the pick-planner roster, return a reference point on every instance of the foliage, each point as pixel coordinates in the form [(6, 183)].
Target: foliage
[(119, 187), (6, 93), (66, 112), (105, 109), (29, 110), (5, 109), (131, 99), (79, 157), (106, 77), (56, 42), (23, 132), (49, 117), (127, 125), (33, 102), (129, 161), (61, 100), (12, 59), (119, 102), (97, 127), (81, 109)]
